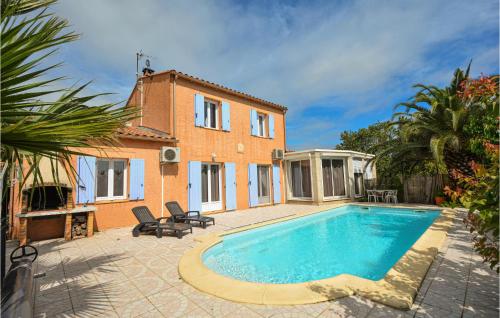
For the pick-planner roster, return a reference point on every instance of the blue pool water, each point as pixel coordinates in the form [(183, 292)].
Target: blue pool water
[(346, 240)]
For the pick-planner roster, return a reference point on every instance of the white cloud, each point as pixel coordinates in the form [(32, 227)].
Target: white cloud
[(290, 54)]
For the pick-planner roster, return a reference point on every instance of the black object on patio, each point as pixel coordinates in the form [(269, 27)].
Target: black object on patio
[(148, 223), (187, 217)]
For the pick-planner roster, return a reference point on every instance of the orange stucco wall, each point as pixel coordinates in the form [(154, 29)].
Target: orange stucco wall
[(199, 144), (196, 144), (118, 213), (156, 97)]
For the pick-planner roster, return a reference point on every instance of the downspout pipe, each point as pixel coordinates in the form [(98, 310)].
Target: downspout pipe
[(174, 132)]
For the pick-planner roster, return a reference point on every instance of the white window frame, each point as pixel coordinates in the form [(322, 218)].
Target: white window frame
[(208, 114), (261, 132), (268, 197), (111, 173), (212, 205), (290, 180), (344, 166)]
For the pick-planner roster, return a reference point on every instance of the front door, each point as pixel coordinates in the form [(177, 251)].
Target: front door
[(263, 184), (210, 187)]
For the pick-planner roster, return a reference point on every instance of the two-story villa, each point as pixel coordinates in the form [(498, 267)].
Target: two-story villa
[(218, 158)]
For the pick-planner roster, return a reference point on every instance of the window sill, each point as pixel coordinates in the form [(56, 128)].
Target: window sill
[(97, 202), (300, 199), (326, 199), (213, 129), (262, 137)]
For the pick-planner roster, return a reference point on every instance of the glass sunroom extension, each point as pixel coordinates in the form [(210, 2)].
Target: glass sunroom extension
[(322, 175)]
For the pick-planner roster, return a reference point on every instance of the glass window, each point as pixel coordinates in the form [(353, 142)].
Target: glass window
[(204, 183), (333, 177), (102, 178), (214, 181), (210, 183), (263, 184), (211, 119), (338, 178), (327, 178), (119, 170), (301, 179), (358, 183), (261, 125), (111, 179)]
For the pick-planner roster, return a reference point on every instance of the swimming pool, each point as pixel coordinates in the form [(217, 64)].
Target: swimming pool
[(356, 240)]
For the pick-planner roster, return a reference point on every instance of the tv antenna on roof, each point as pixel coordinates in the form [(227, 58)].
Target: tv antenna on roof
[(138, 56)]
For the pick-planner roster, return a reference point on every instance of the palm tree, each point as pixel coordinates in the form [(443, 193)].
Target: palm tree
[(32, 126), (432, 127)]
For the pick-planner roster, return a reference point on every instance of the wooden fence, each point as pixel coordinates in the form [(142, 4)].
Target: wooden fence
[(422, 189)]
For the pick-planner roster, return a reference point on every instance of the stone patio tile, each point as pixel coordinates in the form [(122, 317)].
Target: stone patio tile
[(152, 314), (157, 265), (149, 285), (133, 308), (381, 311), (244, 311), (48, 298), (115, 276), (477, 299), (427, 311), (101, 309), (125, 291), (448, 290), (88, 294), (455, 306), (135, 271), (50, 287), (194, 295), (66, 314), (221, 307), (171, 276), (480, 312), (171, 303), (200, 313), (277, 311), (54, 308)]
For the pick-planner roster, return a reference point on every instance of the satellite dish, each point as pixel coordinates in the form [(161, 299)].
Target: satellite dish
[(147, 63)]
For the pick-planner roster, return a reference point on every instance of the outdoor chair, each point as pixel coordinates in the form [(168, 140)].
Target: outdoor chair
[(379, 194), (187, 217), (148, 223), (371, 195), (391, 196)]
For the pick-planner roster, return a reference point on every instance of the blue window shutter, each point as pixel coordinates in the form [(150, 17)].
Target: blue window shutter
[(86, 180), (226, 117), (254, 122), (252, 185), (199, 110), (271, 126), (194, 186), (276, 184), (136, 179), (230, 185)]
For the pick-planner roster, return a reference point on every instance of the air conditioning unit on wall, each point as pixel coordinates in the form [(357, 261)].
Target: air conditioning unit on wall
[(170, 154), (278, 154)]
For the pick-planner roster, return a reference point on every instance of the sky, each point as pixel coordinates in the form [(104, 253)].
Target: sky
[(337, 65)]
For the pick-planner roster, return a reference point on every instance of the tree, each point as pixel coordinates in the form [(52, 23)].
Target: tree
[(434, 125), (31, 127), (369, 140)]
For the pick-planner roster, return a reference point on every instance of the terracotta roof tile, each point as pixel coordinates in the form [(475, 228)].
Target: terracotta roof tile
[(144, 133)]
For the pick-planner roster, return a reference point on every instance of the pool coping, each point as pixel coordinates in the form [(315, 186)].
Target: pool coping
[(397, 289)]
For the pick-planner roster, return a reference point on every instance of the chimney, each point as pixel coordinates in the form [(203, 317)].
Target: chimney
[(147, 71)]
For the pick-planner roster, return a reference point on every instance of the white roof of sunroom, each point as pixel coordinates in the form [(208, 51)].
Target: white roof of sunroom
[(342, 153)]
